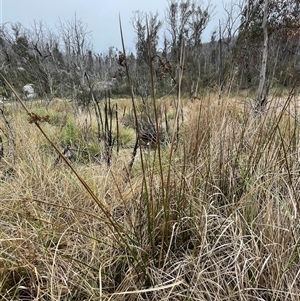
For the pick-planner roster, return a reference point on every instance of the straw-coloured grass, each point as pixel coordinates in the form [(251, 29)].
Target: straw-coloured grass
[(222, 226)]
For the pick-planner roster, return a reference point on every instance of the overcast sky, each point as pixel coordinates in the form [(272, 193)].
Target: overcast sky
[(101, 16)]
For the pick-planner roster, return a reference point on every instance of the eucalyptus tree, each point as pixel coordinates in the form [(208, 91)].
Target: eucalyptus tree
[(147, 27), (279, 25), (32, 56), (49, 61), (186, 21), (76, 40), (22, 65), (228, 31)]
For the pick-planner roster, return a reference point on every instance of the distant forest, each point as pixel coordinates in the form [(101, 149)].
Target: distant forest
[(257, 45)]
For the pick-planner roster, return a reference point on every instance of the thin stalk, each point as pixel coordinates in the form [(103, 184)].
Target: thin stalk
[(138, 138), (133, 105), (158, 145), (111, 223), (97, 111), (167, 197), (264, 141), (155, 113), (118, 131)]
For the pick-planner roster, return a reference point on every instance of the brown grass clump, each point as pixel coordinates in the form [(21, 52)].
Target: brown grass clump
[(217, 220)]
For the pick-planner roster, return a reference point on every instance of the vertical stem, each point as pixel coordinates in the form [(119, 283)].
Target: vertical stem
[(221, 79), (260, 102), (117, 125)]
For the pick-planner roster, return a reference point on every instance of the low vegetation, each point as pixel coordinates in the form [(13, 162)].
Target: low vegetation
[(171, 174), (213, 215)]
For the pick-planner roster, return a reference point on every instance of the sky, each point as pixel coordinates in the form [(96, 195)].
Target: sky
[(100, 16)]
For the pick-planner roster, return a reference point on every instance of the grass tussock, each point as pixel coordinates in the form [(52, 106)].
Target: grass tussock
[(217, 220)]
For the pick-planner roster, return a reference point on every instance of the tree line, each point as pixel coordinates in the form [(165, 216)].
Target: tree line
[(255, 46)]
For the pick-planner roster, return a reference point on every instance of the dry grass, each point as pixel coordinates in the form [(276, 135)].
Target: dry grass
[(225, 226)]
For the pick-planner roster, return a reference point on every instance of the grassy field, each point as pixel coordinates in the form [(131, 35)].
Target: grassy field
[(211, 215)]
